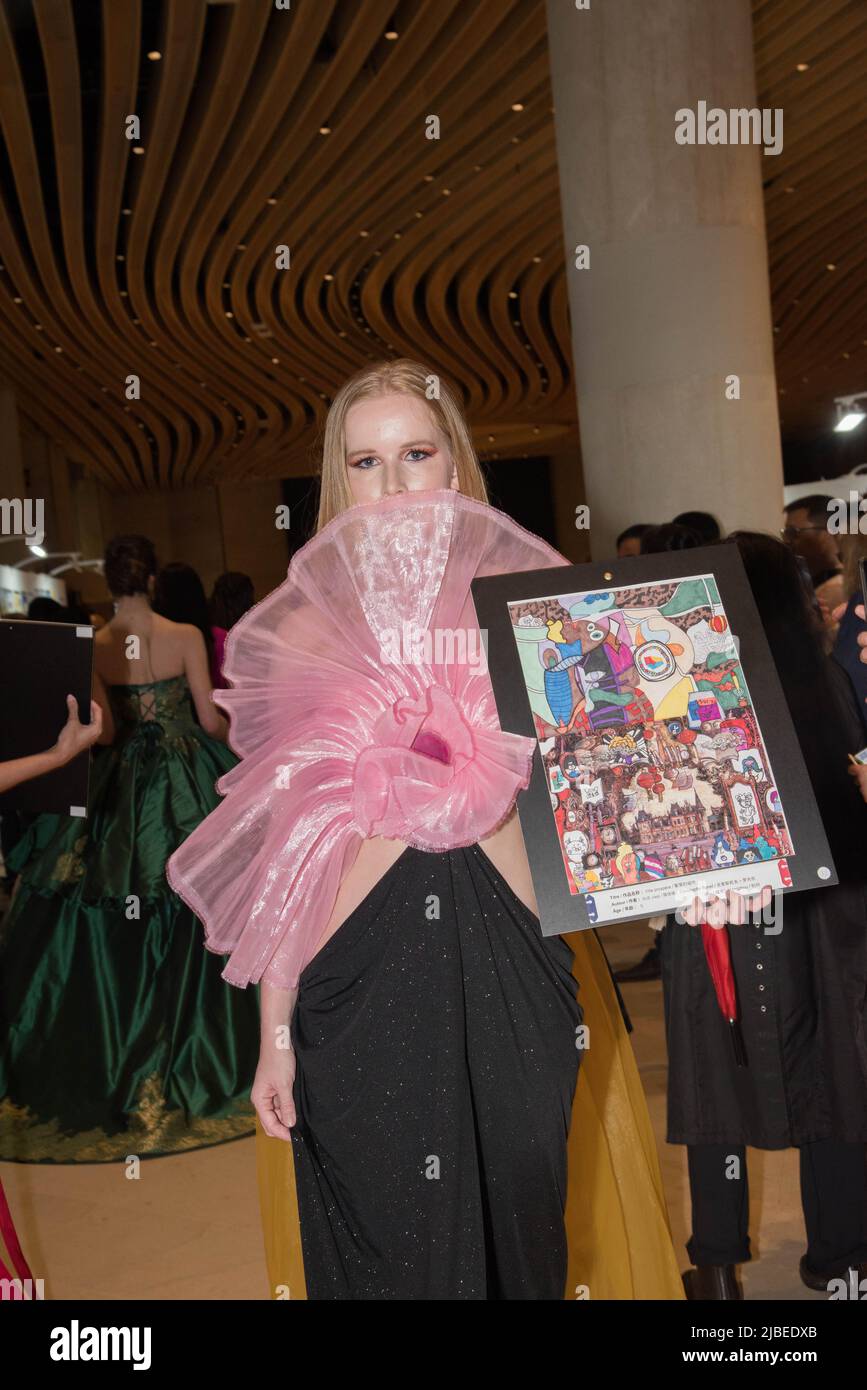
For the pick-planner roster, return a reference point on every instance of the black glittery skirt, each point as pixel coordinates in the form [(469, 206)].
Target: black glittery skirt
[(436, 1067)]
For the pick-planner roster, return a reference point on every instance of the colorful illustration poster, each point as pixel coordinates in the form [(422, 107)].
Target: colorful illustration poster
[(659, 780)]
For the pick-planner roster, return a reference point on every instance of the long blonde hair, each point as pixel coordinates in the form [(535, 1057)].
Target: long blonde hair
[(400, 377)]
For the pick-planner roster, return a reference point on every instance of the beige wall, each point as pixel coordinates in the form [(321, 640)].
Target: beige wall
[(251, 541), (212, 528), (567, 487), (230, 527), (182, 525)]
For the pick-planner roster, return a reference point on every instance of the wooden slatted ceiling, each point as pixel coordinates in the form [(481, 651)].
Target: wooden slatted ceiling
[(816, 201), (162, 264)]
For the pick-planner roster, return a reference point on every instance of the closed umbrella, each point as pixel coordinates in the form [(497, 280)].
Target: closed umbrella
[(717, 949)]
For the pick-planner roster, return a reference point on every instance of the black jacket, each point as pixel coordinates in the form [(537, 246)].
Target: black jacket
[(802, 993)]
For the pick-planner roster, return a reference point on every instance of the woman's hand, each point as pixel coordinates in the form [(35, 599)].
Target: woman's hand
[(731, 907), (861, 639), (859, 772), (74, 737), (272, 1091)]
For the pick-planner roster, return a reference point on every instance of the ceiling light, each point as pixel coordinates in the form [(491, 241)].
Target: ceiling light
[(154, 55), (801, 67), (850, 421), (850, 413), (38, 550), (517, 106)]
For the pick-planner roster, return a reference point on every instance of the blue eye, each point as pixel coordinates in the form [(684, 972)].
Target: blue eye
[(422, 453), (360, 462)]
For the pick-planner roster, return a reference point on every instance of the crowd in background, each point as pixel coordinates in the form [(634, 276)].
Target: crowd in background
[(801, 991), (802, 986), (179, 595)]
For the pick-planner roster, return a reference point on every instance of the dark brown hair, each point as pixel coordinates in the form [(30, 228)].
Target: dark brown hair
[(233, 595), (129, 563)]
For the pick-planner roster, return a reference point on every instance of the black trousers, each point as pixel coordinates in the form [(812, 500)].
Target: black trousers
[(833, 1197), (435, 1041)]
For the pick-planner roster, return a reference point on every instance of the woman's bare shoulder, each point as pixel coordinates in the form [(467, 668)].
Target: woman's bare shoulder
[(182, 633)]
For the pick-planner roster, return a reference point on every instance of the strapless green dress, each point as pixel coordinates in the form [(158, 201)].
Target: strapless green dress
[(118, 1036)]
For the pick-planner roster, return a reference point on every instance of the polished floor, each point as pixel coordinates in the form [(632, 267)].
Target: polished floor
[(188, 1227)]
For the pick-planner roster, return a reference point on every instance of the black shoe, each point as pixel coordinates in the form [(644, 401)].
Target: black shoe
[(648, 968), (820, 1282), (712, 1281)]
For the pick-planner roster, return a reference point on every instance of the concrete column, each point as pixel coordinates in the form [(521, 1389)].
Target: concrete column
[(676, 296)]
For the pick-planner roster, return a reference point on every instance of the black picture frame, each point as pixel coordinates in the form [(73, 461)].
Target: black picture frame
[(43, 662), (810, 865)]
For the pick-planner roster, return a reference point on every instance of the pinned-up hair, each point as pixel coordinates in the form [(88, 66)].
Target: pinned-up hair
[(130, 561)]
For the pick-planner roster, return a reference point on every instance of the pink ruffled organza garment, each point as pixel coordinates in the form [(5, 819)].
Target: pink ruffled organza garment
[(355, 714)]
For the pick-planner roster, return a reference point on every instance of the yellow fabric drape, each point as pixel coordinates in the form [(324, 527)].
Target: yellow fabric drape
[(616, 1220)]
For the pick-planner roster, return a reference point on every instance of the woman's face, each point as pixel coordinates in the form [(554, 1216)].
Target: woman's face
[(394, 445)]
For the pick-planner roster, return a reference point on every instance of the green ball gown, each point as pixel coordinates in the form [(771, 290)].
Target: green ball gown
[(118, 1035)]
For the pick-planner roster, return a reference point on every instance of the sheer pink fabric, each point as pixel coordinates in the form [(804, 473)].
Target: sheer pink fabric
[(360, 705)]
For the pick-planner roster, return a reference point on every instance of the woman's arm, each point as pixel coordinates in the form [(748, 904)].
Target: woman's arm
[(275, 1074), (74, 737), (199, 678)]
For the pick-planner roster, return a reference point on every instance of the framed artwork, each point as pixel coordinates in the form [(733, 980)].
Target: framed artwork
[(667, 766)]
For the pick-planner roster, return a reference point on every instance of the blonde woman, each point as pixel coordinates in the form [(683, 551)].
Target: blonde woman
[(421, 1038)]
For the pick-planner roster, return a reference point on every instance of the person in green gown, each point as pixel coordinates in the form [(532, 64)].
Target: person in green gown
[(118, 1035)]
